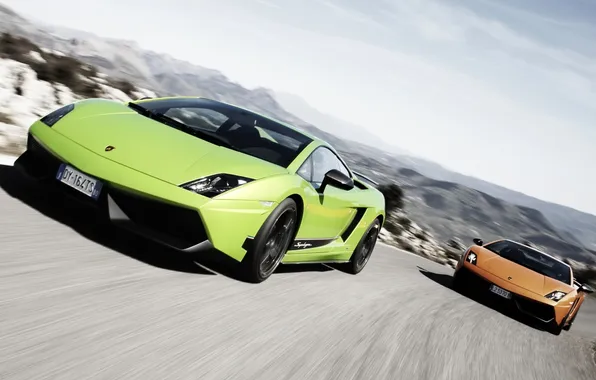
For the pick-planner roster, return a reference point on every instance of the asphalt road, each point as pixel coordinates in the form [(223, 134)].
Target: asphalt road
[(80, 303)]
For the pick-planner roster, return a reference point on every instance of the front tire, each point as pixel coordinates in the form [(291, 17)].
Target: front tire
[(567, 325), (364, 249), (457, 282), (272, 242)]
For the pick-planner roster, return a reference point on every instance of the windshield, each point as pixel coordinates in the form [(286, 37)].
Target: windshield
[(532, 259), (233, 127)]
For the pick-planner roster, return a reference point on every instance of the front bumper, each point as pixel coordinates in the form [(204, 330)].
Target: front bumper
[(142, 204), (544, 310)]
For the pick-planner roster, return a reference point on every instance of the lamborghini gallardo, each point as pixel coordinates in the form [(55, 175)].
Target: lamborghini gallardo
[(197, 174), (535, 283)]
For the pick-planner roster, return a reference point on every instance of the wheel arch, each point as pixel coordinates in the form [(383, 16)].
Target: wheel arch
[(381, 219), (300, 206)]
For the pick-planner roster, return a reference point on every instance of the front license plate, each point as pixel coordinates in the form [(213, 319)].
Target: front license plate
[(502, 292), (79, 181)]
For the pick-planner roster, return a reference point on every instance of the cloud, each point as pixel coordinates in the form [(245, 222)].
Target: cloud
[(443, 29), (349, 14), (267, 3), (466, 90), (460, 24)]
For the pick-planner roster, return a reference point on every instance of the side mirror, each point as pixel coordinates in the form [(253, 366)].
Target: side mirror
[(478, 241), (586, 289), (337, 179)]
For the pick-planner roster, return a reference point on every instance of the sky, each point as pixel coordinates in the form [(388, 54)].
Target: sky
[(504, 90)]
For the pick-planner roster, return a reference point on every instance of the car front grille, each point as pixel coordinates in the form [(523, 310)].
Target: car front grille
[(173, 225), (474, 281), (542, 311), (39, 162), (536, 309)]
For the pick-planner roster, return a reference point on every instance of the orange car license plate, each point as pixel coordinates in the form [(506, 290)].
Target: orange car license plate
[(502, 292)]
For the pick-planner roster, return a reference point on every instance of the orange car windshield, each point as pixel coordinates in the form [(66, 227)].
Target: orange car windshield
[(532, 259)]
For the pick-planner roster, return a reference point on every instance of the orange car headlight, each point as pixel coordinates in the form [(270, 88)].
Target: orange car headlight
[(472, 258), (556, 295)]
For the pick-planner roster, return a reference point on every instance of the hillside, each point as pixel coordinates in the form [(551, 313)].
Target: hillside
[(35, 81), (579, 227), (437, 198), (452, 210)]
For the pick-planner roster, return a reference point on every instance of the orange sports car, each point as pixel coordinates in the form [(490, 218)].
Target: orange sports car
[(536, 283)]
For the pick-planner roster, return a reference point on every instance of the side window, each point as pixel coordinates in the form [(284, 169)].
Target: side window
[(318, 164), (305, 170)]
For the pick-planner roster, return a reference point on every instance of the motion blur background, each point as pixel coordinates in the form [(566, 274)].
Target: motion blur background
[(479, 113), (475, 116)]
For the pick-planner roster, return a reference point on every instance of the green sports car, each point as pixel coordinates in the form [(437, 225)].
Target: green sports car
[(194, 174)]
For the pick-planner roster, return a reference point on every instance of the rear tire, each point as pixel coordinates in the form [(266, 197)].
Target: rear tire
[(364, 249), (271, 243)]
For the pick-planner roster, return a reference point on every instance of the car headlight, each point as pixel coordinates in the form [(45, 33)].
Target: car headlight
[(472, 258), (215, 184), (55, 116), (556, 295)]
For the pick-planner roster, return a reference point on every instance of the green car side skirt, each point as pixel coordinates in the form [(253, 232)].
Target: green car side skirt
[(336, 251)]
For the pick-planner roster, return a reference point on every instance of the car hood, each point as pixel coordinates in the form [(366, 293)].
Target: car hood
[(156, 149), (518, 275)]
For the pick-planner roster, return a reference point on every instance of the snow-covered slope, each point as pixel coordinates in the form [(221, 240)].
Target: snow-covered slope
[(25, 98)]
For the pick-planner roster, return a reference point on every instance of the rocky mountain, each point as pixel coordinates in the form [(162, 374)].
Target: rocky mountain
[(451, 211), (578, 227), (35, 81), (438, 198)]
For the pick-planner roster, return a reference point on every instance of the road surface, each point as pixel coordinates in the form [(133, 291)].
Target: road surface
[(79, 304)]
